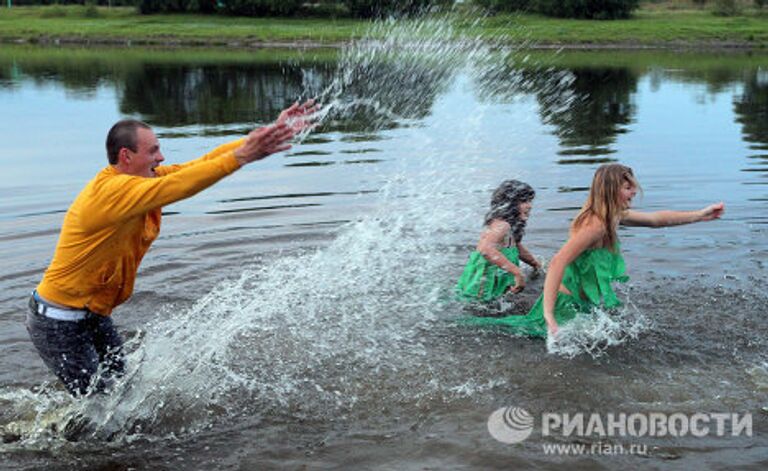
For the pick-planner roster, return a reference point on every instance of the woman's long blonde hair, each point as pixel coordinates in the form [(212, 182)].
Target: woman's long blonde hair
[(603, 200)]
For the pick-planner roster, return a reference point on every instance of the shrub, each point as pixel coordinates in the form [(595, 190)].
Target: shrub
[(592, 9), (506, 5), (55, 11), (174, 6), (324, 9), (726, 8), (383, 8), (90, 11), (260, 7)]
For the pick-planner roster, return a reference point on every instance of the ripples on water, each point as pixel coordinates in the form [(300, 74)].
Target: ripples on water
[(341, 336)]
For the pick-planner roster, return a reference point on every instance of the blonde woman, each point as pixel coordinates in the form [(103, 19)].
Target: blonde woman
[(581, 273)]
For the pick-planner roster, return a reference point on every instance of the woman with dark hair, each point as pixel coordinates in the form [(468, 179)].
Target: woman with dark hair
[(494, 268)]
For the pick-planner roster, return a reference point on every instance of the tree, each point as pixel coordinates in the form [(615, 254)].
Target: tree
[(592, 9), (384, 8)]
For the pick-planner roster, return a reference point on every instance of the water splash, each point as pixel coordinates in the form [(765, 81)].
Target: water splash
[(595, 333), (394, 74), (327, 333), (34, 416)]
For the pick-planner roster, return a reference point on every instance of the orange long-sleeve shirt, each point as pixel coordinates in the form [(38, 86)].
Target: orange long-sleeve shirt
[(111, 225)]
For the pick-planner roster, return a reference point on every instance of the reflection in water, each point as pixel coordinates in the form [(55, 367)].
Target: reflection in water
[(587, 107), (597, 108), (212, 94), (585, 161), (751, 109)]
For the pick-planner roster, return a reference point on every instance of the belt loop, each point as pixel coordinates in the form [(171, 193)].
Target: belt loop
[(37, 306)]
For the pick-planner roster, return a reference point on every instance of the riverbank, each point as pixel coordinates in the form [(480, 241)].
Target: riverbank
[(123, 26)]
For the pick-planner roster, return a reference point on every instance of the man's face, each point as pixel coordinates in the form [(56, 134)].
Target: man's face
[(142, 163)]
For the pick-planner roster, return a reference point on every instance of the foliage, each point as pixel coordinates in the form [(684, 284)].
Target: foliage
[(726, 8), (384, 8), (260, 7), (592, 9), (506, 5), (176, 6), (355, 8), (74, 2), (90, 11), (53, 12)]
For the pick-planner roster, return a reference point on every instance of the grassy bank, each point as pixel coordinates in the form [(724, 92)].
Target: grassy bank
[(648, 27), (81, 24)]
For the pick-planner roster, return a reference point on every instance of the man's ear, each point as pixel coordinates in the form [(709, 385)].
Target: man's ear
[(124, 156)]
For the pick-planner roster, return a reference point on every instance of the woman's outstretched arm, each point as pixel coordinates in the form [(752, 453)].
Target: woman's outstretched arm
[(672, 218)]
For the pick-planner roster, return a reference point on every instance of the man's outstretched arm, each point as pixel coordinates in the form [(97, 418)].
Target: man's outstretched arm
[(297, 117)]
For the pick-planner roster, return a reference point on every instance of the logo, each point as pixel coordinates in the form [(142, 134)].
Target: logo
[(514, 424), (510, 425)]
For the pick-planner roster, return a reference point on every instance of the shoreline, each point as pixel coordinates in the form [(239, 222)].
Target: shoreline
[(647, 29), (45, 41)]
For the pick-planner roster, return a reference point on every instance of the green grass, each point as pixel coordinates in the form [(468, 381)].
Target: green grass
[(646, 27), (649, 26), (72, 23)]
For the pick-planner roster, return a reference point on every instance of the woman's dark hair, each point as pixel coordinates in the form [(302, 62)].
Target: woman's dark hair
[(505, 205)]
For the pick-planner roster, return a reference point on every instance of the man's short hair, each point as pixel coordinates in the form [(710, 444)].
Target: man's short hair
[(123, 134)]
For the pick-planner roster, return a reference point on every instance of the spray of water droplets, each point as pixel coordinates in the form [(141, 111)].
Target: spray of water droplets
[(330, 331)]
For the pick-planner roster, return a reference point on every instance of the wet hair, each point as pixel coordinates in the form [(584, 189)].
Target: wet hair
[(603, 200), (505, 205), (123, 134)]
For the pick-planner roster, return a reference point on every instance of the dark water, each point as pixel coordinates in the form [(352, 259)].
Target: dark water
[(297, 314)]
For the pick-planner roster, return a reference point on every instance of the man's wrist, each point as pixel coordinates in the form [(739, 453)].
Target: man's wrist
[(241, 159)]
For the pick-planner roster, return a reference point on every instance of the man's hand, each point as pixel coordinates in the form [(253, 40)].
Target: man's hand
[(299, 116), (264, 141)]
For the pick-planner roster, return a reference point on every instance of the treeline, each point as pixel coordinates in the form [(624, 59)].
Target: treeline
[(592, 9), (114, 3), (588, 9), (323, 8), (603, 9), (354, 8)]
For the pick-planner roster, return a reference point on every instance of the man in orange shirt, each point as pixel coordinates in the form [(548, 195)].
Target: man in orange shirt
[(106, 232)]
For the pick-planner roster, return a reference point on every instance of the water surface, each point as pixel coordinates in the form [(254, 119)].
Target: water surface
[(299, 313)]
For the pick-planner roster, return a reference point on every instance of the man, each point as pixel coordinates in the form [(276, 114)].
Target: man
[(107, 231)]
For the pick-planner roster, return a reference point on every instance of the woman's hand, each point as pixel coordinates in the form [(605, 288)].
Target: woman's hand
[(537, 271), (519, 283), (551, 325), (713, 211)]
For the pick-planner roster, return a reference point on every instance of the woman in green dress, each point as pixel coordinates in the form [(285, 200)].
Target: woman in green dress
[(494, 268), (580, 274)]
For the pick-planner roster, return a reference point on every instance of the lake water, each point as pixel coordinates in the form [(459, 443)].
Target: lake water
[(299, 313)]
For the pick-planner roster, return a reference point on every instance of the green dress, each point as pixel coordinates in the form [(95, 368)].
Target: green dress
[(485, 281), (589, 278)]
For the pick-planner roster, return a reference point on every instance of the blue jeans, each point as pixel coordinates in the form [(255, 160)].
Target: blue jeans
[(73, 350)]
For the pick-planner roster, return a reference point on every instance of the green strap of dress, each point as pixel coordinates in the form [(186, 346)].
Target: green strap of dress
[(483, 280), (588, 278)]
